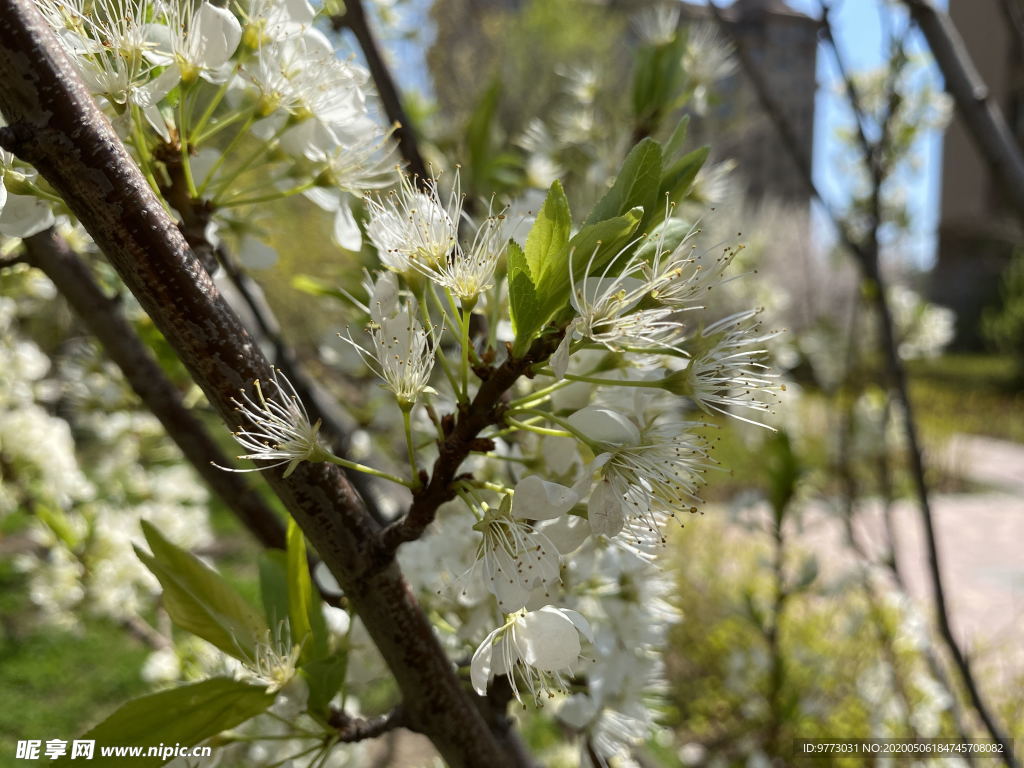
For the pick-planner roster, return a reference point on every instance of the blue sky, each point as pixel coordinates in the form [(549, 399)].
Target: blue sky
[(858, 31)]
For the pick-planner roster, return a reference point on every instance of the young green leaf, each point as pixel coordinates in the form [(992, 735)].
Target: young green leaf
[(548, 242), (636, 185), (188, 715), (274, 585), (304, 613), (199, 600)]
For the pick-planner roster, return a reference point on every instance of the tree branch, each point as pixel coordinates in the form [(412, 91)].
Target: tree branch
[(75, 149), (866, 253), (982, 116), (50, 253), (355, 19), (461, 438), (351, 729)]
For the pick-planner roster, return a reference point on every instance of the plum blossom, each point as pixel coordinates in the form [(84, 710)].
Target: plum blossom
[(539, 647)]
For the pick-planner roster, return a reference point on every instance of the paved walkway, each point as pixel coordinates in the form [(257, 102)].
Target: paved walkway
[(980, 537)]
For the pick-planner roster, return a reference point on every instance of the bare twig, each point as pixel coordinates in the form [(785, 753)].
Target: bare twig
[(355, 19), (51, 254), (866, 253), (351, 729), (984, 120), (74, 147)]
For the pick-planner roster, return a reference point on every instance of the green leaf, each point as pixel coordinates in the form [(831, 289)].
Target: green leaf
[(636, 185), (679, 176), (675, 143), (274, 585), (596, 244), (522, 297), (547, 245), (186, 715), (199, 600), (325, 678), (304, 613), (300, 589)]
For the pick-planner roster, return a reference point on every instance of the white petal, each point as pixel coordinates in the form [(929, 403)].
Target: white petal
[(480, 672), (605, 426), (24, 216), (567, 533), (560, 360), (156, 120), (218, 33), (547, 639), (537, 499), (325, 580), (346, 231), (324, 198), (606, 509), (578, 710)]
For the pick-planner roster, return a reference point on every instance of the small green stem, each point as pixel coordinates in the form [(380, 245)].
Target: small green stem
[(208, 112), (410, 446), (145, 159), (467, 314), (366, 470), (186, 162), (539, 395), (652, 384), (219, 126), (227, 152), (539, 430), (271, 195), (257, 155)]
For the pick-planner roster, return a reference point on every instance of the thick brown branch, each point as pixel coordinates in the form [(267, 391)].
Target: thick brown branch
[(485, 409), (50, 253), (355, 19), (77, 152)]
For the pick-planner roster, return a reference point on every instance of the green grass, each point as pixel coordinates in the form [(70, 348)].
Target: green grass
[(976, 394), (55, 684)]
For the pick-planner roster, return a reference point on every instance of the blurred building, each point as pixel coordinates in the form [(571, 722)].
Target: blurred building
[(977, 231), (784, 45), (783, 42)]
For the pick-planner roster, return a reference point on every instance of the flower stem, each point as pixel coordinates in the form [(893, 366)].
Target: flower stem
[(279, 195), (410, 446), (539, 430), (227, 152), (145, 160), (186, 162), (467, 314), (366, 470)]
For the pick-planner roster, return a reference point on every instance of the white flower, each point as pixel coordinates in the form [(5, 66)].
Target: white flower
[(275, 659), (468, 273), (682, 276), (607, 311), (726, 369), (645, 475), (412, 227), (402, 354), (539, 645), (197, 38), (268, 20), (515, 556), (281, 431)]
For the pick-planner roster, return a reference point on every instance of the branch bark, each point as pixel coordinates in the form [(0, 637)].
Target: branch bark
[(982, 116), (59, 129), (51, 254)]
